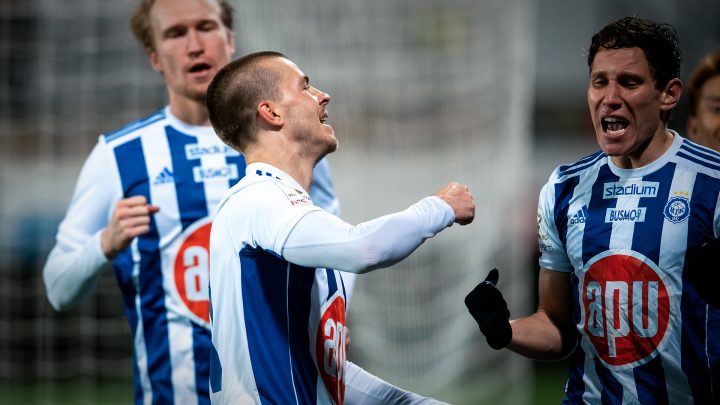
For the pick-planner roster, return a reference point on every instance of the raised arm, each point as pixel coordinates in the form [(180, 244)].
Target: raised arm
[(323, 240)]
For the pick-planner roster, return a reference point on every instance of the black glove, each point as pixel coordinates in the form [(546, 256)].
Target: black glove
[(703, 270), (487, 305)]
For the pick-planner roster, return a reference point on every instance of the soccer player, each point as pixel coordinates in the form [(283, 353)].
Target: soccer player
[(621, 232), (144, 199), (704, 100), (278, 299)]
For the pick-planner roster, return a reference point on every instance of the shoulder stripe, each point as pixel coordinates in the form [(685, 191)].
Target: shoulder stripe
[(698, 160), (581, 164), (143, 122), (700, 152)]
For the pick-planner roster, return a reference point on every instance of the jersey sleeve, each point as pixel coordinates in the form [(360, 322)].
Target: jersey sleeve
[(75, 263), (363, 388), (276, 209), (320, 239), (552, 251)]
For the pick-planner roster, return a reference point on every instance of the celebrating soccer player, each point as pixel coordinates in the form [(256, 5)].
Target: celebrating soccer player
[(628, 237), (278, 299)]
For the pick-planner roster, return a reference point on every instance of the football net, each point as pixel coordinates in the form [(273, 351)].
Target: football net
[(424, 92)]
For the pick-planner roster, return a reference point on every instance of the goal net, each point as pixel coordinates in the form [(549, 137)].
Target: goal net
[(423, 92)]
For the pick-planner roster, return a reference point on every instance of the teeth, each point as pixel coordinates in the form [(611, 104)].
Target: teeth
[(611, 119)]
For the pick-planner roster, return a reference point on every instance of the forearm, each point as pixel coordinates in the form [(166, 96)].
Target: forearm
[(363, 388), (538, 338), (71, 273), (367, 246)]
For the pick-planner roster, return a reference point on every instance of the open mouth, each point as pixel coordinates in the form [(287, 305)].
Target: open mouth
[(614, 125), (200, 67), (323, 118)]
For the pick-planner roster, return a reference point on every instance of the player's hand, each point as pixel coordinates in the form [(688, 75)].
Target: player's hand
[(703, 270), (487, 305), (460, 200), (130, 219)]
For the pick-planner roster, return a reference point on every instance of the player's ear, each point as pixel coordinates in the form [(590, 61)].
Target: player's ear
[(154, 60), (268, 114), (671, 94)]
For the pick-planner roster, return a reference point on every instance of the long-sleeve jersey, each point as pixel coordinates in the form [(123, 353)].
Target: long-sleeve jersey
[(625, 235), (163, 275), (278, 299)]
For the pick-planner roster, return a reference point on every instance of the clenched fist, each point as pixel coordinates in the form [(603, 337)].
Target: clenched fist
[(460, 200), (130, 219)]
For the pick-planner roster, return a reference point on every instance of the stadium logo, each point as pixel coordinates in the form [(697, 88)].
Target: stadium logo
[(195, 151), (677, 208), (192, 271), (625, 308), (330, 348), (580, 217), (623, 215), (637, 189)]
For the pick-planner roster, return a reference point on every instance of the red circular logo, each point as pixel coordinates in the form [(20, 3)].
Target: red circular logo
[(626, 309), (330, 349), (192, 272)]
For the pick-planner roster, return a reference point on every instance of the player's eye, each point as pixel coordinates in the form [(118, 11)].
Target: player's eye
[(207, 26), (175, 32), (599, 82)]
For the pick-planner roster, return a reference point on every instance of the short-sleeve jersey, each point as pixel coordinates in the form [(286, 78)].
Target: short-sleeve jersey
[(185, 170), (278, 328), (644, 334)]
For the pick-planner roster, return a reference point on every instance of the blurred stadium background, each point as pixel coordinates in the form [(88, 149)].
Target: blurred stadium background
[(487, 92)]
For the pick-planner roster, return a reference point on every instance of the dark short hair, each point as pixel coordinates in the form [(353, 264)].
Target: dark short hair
[(708, 68), (658, 41), (234, 93), (140, 21)]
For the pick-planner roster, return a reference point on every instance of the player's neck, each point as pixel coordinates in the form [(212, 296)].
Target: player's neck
[(190, 112), (300, 169)]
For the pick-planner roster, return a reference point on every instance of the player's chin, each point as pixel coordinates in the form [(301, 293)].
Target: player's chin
[(332, 146)]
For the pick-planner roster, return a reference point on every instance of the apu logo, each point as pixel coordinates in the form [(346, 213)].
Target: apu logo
[(626, 309), (330, 348), (192, 271)]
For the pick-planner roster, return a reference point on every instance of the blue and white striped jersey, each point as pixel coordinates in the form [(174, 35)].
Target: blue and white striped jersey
[(645, 336), (273, 321), (185, 170), (278, 300)]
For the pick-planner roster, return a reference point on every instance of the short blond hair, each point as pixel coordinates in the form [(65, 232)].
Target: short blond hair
[(140, 21)]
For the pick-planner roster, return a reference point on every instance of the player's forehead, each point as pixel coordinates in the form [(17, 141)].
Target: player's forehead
[(165, 14), (711, 88), (288, 70), (619, 61)]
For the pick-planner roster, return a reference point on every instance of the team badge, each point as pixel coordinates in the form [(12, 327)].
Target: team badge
[(625, 308), (191, 271), (677, 208)]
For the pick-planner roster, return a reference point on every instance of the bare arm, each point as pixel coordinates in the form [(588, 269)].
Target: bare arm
[(547, 334)]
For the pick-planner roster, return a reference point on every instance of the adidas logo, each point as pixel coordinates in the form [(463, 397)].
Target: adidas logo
[(164, 177), (580, 217)]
